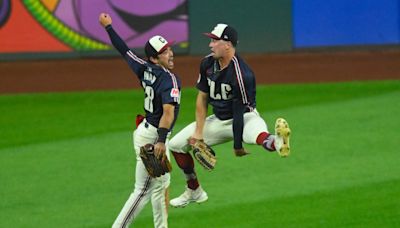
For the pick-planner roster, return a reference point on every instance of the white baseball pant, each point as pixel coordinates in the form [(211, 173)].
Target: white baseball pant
[(218, 131), (146, 187)]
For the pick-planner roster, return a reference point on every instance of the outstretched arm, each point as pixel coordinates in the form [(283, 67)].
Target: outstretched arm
[(106, 21), (135, 63)]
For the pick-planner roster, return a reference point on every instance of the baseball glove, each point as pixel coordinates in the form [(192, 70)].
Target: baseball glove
[(155, 166), (203, 153)]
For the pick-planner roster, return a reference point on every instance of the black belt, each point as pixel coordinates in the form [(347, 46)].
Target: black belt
[(147, 125)]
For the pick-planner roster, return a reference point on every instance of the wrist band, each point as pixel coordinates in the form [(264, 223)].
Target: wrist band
[(162, 134)]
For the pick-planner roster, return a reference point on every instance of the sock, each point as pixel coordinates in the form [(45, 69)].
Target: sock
[(192, 183), (185, 162), (261, 137), (266, 140)]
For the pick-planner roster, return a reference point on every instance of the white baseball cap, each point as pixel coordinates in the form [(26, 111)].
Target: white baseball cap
[(156, 45), (224, 32)]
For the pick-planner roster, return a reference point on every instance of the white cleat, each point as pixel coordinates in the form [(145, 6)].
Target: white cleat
[(189, 196), (282, 132)]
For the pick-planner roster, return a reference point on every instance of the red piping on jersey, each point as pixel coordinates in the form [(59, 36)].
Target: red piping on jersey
[(240, 80), (134, 57), (174, 82)]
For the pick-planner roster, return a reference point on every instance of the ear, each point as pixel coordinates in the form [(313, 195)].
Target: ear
[(228, 44)]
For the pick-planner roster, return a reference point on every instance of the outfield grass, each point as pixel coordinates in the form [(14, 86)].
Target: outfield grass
[(66, 160)]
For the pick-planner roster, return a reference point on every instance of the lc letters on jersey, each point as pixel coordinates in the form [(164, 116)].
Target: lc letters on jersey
[(224, 92)]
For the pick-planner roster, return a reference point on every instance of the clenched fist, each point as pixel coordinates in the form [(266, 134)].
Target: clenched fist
[(105, 19)]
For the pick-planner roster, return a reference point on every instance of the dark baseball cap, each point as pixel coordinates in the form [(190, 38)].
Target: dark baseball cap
[(224, 32), (156, 45)]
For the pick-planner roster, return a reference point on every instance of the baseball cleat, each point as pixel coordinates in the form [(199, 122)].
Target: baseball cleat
[(282, 132), (189, 196)]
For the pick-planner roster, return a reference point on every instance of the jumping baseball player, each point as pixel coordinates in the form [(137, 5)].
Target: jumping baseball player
[(228, 84), (161, 104)]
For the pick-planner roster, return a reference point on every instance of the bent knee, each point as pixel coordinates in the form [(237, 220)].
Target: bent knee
[(178, 145)]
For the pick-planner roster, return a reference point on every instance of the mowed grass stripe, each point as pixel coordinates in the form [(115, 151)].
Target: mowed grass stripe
[(64, 181), (31, 118), (372, 205), (343, 156)]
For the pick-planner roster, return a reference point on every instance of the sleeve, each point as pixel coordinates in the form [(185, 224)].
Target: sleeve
[(238, 109), (239, 104), (171, 93), (135, 63), (202, 83)]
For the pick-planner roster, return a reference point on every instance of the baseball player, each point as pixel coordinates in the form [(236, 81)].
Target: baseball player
[(161, 104), (228, 84)]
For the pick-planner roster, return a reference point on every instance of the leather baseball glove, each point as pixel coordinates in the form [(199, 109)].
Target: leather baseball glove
[(203, 153), (155, 166)]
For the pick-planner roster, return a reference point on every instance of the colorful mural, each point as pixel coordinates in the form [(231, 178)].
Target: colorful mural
[(74, 23), (5, 9)]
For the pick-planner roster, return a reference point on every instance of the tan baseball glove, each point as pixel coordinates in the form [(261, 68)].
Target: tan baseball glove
[(155, 166), (203, 153)]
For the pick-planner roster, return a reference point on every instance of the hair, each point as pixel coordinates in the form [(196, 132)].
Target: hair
[(150, 51)]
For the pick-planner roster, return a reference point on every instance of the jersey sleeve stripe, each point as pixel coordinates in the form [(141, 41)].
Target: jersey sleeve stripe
[(134, 57), (175, 84), (239, 78), (174, 81)]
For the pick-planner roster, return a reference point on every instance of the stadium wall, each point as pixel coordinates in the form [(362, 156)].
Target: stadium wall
[(263, 26), (335, 23), (274, 26)]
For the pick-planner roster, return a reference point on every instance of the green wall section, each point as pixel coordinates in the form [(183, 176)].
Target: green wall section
[(263, 26)]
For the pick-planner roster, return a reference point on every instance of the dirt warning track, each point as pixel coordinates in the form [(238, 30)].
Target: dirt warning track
[(113, 73)]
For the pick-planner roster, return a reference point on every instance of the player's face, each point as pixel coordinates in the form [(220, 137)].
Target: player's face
[(218, 48), (166, 59)]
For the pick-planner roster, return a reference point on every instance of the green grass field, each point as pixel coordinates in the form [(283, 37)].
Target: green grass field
[(66, 160)]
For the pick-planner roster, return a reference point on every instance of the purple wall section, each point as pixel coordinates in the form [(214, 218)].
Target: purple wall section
[(135, 20)]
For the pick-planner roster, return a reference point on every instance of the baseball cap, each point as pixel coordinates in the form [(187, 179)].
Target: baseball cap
[(224, 32), (156, 45)]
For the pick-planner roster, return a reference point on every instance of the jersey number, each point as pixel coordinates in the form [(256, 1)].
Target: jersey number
[(148, 99)]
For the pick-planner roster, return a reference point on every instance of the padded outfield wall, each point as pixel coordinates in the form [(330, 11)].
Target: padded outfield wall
[(263, 26), (335, 23), (65, 28)]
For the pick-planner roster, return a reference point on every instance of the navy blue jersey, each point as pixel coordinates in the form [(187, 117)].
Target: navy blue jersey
[(236, 81), (159, 84), (231, 91)]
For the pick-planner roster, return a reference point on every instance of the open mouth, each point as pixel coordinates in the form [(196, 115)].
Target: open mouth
[(171, 61)]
